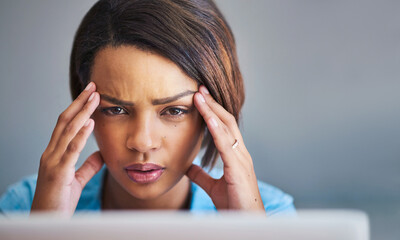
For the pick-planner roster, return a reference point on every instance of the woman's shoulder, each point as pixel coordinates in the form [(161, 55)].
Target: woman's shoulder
[(274, 199), (19, 196)]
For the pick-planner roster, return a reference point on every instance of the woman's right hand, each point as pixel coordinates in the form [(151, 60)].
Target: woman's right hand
[(59, 186)]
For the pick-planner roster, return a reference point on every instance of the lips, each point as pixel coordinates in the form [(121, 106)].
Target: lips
[(144, 173)]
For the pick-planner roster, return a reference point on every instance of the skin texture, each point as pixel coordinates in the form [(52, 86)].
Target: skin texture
[(237, 188), (150, 131), (59, 186), (138, 120)]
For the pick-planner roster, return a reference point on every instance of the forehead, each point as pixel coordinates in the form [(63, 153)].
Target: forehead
[(130, 73)]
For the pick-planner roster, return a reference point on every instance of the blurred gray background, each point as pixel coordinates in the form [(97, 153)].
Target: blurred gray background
[(322, 111)]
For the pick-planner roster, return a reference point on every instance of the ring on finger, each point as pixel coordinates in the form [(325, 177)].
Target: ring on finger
[(235, 144)]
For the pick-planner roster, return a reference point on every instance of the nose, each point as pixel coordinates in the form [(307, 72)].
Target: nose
[(142, 135)]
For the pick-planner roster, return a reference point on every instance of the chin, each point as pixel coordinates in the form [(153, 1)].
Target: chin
[(145, 192), (150, 191)]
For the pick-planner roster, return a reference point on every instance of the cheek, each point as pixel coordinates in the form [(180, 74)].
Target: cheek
[(108, 138), (182, 140)]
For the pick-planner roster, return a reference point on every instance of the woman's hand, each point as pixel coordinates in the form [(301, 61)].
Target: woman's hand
[(59, 186), (237, 188)]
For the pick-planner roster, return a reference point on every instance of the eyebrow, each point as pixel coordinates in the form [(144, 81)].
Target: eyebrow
[(159, 101)]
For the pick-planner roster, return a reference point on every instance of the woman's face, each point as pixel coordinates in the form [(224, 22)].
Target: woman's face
[(146, 115)]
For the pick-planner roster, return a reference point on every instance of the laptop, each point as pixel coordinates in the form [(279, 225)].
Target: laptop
[(305, 225)]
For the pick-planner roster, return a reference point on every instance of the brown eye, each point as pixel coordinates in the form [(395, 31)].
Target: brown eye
[(113, 111), (175, 112)]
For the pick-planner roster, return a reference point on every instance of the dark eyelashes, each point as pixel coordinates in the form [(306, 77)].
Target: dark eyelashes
[(109, 111), (179, 110), (172, 112)]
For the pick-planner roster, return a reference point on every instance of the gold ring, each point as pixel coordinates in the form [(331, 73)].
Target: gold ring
[(235, 144)]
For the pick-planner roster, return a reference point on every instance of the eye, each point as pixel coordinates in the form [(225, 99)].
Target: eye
[(113, 111), (175, 112)]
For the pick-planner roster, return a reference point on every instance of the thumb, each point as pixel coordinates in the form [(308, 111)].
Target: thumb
[(201, 178), (89, 168)]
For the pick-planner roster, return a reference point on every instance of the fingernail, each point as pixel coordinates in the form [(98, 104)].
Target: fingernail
[(205, 90), (202, 98), (91, 97), (89, 86), (87, 122), (214, 122)]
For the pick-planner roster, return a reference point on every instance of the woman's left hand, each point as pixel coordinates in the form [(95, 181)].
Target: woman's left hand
[(237, 188)]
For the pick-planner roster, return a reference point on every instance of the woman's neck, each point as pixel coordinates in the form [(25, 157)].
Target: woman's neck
[(115, 197)]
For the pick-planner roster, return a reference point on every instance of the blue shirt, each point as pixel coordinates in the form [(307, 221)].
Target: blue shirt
[(19, 196)]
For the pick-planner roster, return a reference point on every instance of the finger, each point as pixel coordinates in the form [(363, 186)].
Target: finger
[(72, 128), (197, 175), (75, 147), (226, 117), (89, 168), (66, 116), (221, 134)]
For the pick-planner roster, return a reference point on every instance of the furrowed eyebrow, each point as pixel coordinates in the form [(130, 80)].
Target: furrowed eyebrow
[(154, 101), (115, 100), (172, 98)]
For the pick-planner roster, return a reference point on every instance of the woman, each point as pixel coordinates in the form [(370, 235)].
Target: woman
[(155, 81)]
